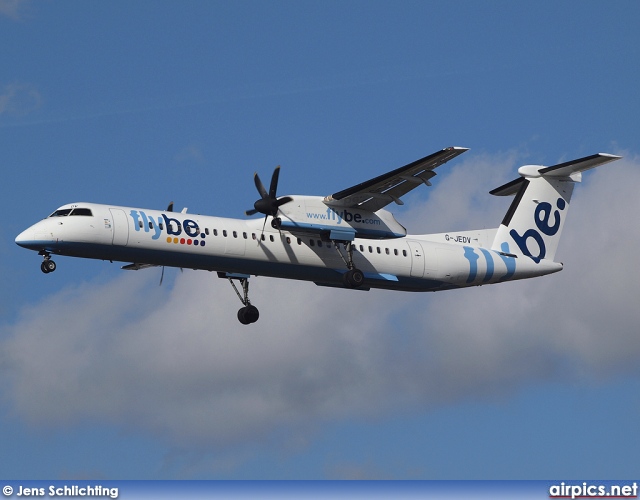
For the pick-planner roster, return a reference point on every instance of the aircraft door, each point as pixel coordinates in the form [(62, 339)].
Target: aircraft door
[(235, 242), (120, 227), (417, 259)]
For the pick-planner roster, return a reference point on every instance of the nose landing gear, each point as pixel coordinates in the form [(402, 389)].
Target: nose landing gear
[(47, 266)]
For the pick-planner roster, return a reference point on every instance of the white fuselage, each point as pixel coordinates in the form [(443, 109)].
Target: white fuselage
[(235, 246)]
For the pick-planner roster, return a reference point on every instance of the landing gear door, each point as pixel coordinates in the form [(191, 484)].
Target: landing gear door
[(417, 259), (120, 227)]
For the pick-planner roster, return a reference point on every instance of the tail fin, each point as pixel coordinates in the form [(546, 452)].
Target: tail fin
[(534, 221)]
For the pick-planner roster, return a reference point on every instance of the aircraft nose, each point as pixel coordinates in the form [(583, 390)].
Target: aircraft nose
[(24, 238), (29, 238)]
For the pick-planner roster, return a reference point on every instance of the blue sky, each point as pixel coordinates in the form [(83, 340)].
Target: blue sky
[(107, 375)]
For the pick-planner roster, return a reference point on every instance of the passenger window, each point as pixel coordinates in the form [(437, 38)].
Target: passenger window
[(140, 224), (312, 243), (215, 232), (299, 241), (386, 250), (244, 235), (161, 226), (271, 238), (235, 234), (378, 249), (370, 249), (288, 240), (206, 231), (150, 225), (404, 253), (224, 233), (361, 248), (395, 251), (253, 235)]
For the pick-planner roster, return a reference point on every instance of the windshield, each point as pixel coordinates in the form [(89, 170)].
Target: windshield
[(63, 212), (81, 211)]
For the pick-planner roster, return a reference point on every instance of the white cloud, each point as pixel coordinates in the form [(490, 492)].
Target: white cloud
[(459, 199), (13, 9), (177, 364), (190, 154), (19, 99)]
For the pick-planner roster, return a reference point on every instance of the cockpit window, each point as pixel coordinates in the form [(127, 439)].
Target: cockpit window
[(82, 211), (61, 213)]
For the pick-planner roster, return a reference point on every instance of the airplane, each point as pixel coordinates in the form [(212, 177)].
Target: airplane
[(345, 240)]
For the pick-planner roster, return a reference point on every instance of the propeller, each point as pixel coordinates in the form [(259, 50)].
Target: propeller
[(162, 275), (268, 204)]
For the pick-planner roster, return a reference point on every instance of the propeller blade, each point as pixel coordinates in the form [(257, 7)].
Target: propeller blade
[(274, 182), (283, 200), (162, 275), (263, 225), (268, 203), (260, 186)]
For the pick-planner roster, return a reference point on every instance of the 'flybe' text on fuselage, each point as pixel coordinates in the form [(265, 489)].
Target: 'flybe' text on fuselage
[(172, 227)]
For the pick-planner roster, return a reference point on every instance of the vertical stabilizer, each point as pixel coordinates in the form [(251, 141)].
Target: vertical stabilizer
[(534, 221)]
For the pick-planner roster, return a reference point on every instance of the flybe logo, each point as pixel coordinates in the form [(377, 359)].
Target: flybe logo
[(541, 218), (345, 215), (186, 232)]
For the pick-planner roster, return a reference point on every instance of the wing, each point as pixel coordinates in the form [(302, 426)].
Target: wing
[(377, 193)]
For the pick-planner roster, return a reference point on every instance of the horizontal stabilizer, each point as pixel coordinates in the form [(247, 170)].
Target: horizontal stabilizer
[(571, 167), (566, 169)]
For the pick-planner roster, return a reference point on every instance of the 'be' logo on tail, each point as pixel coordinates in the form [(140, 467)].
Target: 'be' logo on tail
[(541, 218)]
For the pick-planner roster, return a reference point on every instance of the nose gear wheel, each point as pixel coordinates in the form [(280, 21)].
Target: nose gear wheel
[(47, 266)]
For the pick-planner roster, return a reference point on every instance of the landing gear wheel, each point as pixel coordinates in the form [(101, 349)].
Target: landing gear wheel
[(353, 278), (48, 266), (248, 314)]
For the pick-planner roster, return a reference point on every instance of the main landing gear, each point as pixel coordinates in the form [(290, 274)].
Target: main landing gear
[(353, 278), (249, 313), (47, 266)]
